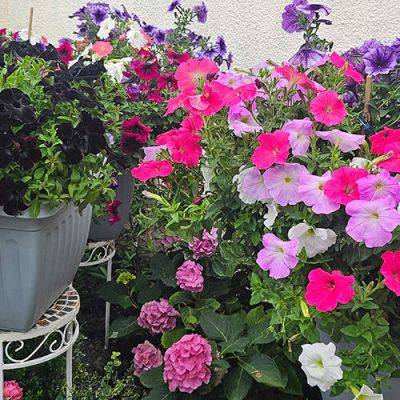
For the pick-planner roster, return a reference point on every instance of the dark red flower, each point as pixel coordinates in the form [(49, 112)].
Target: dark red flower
[(135, 135), (112, 211), (175, 57), (167, 81), (65, 51), (147, 70), (155, 96)]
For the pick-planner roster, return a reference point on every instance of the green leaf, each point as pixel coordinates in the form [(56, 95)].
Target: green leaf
[(235, 346), (264, 370), (255, 315), (261, 333), (152, 378), (180, 298), (122, 327), (222, 327), (163, 269), (207, 305), (352, 331), (170, 337), (116, 294), (160, 393), (237, 384)]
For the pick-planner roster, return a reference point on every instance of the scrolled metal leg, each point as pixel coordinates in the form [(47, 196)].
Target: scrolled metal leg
[(69, 373)]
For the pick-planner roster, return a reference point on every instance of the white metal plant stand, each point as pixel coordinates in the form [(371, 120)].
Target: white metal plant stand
[(99, 253), (53, 335)]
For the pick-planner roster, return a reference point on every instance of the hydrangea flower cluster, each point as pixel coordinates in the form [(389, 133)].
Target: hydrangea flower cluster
[(12, 391), (146, 357)]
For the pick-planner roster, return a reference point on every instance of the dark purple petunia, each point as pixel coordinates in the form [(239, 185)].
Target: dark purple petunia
[(98, 12), (149, 29), (369, 45), (308, 57), (380, 60), (159, 36), (174, 5), (350, 99), (201, 12), (122, 13), (220, 46), (316, 8), (297, 17), (229, 60)]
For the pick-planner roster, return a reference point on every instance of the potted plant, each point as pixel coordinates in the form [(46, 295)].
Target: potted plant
[(51, 171)]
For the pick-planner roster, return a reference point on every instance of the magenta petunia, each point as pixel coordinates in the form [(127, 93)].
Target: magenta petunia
[(393, 163), (278, 257), (328, 108), (390, 269), (300, 132), (372, 222), (326, 290), (374, 187), (152, 169), (344, 141), (283, 182)]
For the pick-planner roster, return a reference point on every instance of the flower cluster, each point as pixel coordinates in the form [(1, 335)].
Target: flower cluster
[(12, 391)]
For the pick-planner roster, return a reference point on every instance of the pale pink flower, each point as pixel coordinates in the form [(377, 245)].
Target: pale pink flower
[(372, 222), (300, 132), (374, 187), (344, 141), (251, 186), (146, 357), (283, 182), (311, 192), (241, 120), (278, 257)]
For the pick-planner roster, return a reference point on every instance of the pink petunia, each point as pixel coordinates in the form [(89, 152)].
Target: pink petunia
[(374, 187), (185, 148), (393, 163), (102, 48), (273, 149), (193, 123), (296, 78), (208, 103), (380, 140), (344, 141), (342, 187), (348, 69), (191, 74), (326, 290), (152, 169), (278, 257), (241, 120), (300, 132), (283, 181), (390, 269), (311, 192), (372, 222), (328, 108)]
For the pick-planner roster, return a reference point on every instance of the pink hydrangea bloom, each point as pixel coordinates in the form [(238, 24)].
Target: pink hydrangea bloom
[(311, 191), (146, 357), (372, 222), (12, 391), (206, 246), (328, 108), (278, 257), (152, 169), (348, 69), (192, 73), (374, 187), (189, 277), (390, 269), (300, 132), (342, 187), (326, 290), (283, 182), (158, 316), (187, 364), (344, 141), (241, 120), (273, 149)]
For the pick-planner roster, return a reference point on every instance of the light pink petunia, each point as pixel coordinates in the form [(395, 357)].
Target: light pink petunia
[(344, 141), (311, 192), (241, 120), (326, 290), (374, 187), (283, 182), (328, 108), (251, 186), (372, 222), (278, 257), (300, 131), (390, 269)]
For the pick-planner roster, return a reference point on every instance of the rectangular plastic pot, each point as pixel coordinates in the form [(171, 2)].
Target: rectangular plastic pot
[(38, 260), (100, 228)]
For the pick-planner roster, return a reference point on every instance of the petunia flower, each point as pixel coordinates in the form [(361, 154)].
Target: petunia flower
[(135, 37), (326, 290), (278, 257), (102, 48), (311, 191), (300, 132), (380, 60), (344, 141), (342, 187), (308, 57), (393, 163), (374, 187), (372, 222), (270, 216), (241, 120), (273, 149), (320, 364), (200, 10), (185, 148), (295, 78), (251, 186), (283, 182), (367, 393), (106, 27), (207, 103), (348, 69), (390, 269), (65, 51), (380, 140), (313, 240), (328, 108), (152, 169)]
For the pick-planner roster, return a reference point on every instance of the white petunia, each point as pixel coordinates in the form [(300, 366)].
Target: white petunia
[(105, 28), (314, 240), (35, 38), (270, 216), (115, 70), (135, 37), (251, 185), (320, 364), (367, 394), (359, 162)]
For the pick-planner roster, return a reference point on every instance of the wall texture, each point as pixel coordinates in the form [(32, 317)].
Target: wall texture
[(251, 27)]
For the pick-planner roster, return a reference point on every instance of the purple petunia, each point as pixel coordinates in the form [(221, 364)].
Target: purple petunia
[(98, 12), (308, 57), (173, 5), (294, 19), (201, 12), (159, 36), (380, 60), (220, 46)]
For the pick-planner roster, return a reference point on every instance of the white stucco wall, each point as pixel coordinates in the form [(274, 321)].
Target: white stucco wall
[(251, 27)]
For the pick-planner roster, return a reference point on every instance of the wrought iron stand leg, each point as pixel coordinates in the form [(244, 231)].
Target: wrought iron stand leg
[(1, 371), (108, 307), (68, 367)]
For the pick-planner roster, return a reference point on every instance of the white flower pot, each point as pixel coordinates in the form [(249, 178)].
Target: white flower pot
[(38, 260)]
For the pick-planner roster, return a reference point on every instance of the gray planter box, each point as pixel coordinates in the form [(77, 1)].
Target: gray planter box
[(100, 228), (38, 260)]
